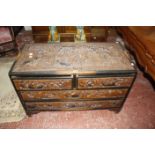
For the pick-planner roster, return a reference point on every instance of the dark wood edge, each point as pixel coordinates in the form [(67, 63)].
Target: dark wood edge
[(19, 96), (63, 73), (128, 91), (74, 100), (114, 109)]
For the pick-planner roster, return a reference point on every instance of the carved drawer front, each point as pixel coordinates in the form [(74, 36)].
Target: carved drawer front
[(73, 94), (46, 84), (80, 105), (88, 83)]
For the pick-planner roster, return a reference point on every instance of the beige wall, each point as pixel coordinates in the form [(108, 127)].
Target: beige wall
[(27, 28)]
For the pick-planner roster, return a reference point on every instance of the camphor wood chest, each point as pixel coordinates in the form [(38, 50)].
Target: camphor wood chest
[(72, 76)]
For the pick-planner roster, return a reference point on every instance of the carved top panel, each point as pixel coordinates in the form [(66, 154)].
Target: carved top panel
[(72, 57)]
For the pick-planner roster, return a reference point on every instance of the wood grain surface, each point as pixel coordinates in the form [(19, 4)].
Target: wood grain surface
[(81, 105), (73, 94), (72, 58), (43, 84), (89, 83)]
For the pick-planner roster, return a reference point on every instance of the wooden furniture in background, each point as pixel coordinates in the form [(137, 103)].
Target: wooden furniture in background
[(141, 40), (72, 76), (67, 33), (7, 40), (40, 33)]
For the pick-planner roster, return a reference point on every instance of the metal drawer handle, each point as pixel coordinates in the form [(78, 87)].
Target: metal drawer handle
[(90, 84), (71, 106), (108, 84), (40, 86), (74, 95), (32, 86)]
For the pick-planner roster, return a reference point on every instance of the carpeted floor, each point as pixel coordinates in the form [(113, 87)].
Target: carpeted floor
[(11, 109), (137, 112)]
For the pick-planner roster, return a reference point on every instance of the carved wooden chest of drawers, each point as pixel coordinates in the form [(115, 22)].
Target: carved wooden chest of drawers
[(72, 76)]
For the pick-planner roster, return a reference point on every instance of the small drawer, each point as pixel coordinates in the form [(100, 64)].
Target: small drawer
[(40, 38), (91, 83), (64, 37), (95, 38), (45, 84), (80, 105), (73, 94)]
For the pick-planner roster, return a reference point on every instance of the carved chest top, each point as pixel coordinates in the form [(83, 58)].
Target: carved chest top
[(72, 58)]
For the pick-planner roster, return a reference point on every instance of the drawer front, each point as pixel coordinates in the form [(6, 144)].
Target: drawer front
[(84, 105), (88, 83), (73, 94), (43, 84), (66, 37), (40, 38), (95, 38)]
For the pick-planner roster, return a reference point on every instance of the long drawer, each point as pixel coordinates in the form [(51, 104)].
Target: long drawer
[(39, 106), (73, 94), (42, 84), (103, 82)]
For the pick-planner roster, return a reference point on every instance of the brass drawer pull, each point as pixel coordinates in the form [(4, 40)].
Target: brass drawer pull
[(90, 84), (71, 106), (108, 84), (74, 95), (40, 86)]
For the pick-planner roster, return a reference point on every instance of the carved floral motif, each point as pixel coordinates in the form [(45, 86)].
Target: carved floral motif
[(43, 84), (74, 94), (73, 56), (104, 82), (73, 105)]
